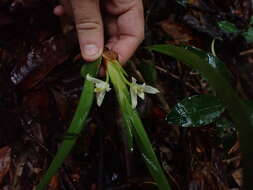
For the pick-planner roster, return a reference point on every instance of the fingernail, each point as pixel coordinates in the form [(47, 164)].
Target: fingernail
[(90, 50)]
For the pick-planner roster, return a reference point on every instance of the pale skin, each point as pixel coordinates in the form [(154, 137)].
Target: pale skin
[(122, 21)]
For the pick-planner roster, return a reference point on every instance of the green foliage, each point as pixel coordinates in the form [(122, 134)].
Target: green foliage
[(183, 3), (228, 27), (196, 111), (76, 125), (134, 123), (248, 35), (206, 64)]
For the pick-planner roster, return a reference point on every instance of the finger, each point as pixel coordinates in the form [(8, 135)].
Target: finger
[(127, 31), (89, 28), (63, 8), (125, 47), (59, 10)]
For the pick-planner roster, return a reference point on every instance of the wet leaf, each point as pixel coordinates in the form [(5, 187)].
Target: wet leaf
[(196, 59), (196, 111), (228, 27), (5, 161), (224, 123), (207, 65), (182, 2), (248, 35), (37, 63)]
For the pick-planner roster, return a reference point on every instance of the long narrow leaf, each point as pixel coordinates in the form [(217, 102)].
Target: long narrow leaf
[(218, 77), (76, 125), (140, 134)]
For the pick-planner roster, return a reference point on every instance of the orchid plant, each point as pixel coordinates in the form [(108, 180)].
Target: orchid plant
[(127, 94), (136, 90)]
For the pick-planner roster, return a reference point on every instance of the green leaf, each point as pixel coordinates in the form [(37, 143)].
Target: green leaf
[(91, 68), (196, 111), (76, 125), (206, 64), (132, 118), (148, 71), (228, 27), (226, 133), (224, 123), (184, 3), (196, 59), (251, 20), (248, 35), (249, 104)]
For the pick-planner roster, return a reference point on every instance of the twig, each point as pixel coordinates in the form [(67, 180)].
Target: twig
[(246, 52), (176, 77)]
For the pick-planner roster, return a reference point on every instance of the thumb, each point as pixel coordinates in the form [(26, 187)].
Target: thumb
[(89, 27)]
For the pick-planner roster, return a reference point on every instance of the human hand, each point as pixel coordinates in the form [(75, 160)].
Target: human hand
[(122, 21)]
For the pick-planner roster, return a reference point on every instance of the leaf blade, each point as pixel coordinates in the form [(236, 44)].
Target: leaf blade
[(218, 79), (196, 111), (76, 125), (139, 132)]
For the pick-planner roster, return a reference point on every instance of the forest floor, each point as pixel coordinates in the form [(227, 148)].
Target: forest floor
[(40, 85)]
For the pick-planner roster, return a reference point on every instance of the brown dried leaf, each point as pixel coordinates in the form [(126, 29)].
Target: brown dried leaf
[(54, 184), (179, 33), (237, 175), (5, 161), (40, 60), (235, 148), (205, 177)]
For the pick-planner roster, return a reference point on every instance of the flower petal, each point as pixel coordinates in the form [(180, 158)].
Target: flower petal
[(100, 97), (133, 97), (108, 89), (141, 95), (94, 80), (101, 85), (150, 89), (134, 80)]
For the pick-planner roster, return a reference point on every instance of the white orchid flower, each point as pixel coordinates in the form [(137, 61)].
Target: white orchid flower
[(140, 90), (101, 87)]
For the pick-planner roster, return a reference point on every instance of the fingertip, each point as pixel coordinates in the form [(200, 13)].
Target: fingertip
[(59, 10), (91, 52)]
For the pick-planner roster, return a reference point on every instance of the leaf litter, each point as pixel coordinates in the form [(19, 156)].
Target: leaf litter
[(39, 94)]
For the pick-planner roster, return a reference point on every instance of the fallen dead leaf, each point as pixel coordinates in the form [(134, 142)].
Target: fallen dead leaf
[(5, 161), (54, 184), (237, 175), (179, 33)]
